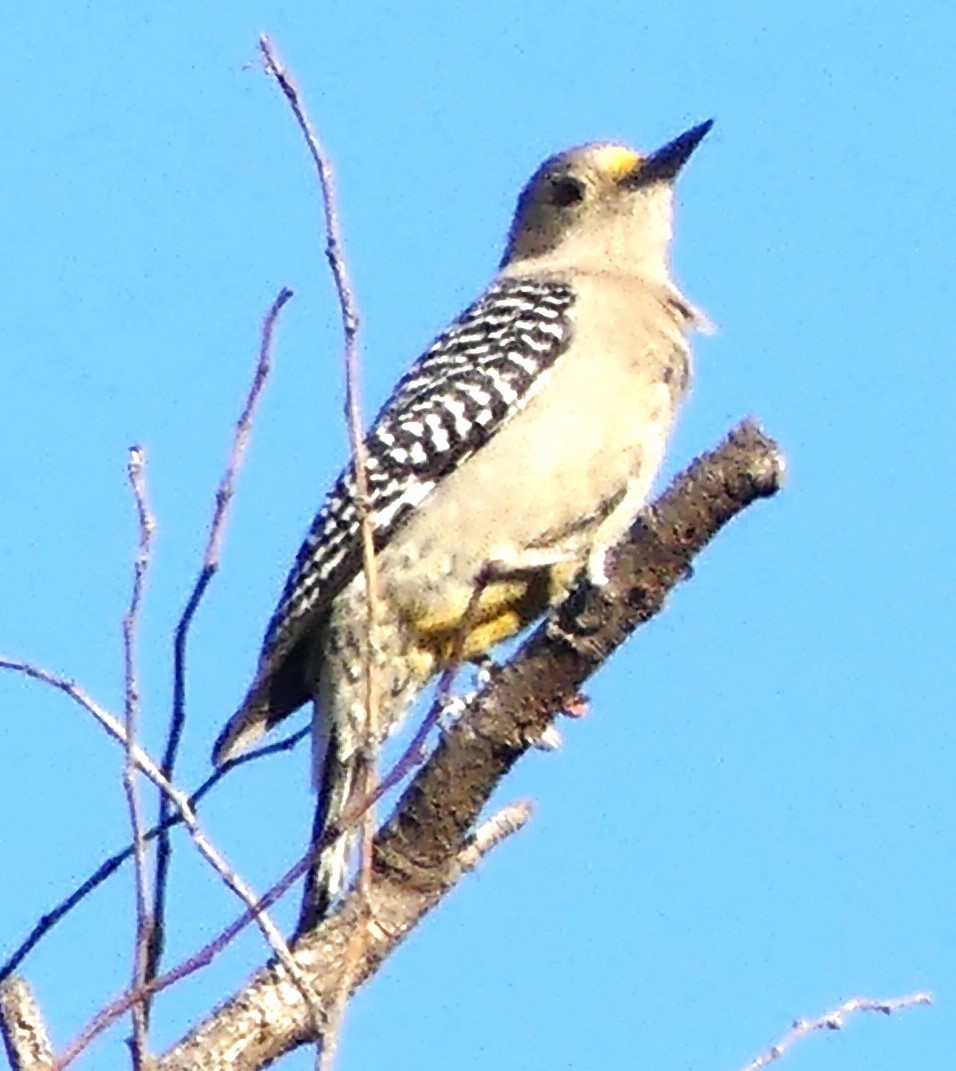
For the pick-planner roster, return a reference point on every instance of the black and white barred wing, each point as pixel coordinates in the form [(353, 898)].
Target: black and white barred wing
[(476, 375)]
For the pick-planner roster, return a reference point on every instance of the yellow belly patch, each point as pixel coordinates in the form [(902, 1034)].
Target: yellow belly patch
[(504, 608)]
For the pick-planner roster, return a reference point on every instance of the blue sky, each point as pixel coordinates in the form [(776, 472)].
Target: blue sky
[(757, 819)]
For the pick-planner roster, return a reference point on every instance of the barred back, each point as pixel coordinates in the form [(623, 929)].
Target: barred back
[(474, 377)]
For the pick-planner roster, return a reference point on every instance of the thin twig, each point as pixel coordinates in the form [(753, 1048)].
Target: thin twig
[(49, 919), (505, 823), (144, 920), (835, 1020), (411, 757), (204, 846), (240, 442), (224, 495), (25, 1035), (414, 755), (350, 325), (202, 958)]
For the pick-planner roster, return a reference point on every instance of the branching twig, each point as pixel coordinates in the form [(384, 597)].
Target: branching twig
[(25, 1035), (413, 755), (49, 919), (493, 831), (257, 910), (202, 958), (224, 494), (487, 837), (835, 1020), (205, 847), (144, 920)]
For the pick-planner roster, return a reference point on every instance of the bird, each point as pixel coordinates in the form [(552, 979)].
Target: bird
[(516, 450)]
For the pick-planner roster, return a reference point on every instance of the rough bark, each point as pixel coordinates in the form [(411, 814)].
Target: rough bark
[(423, 850)]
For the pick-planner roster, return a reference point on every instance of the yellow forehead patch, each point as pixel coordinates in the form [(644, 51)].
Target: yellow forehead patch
[(616, 161)]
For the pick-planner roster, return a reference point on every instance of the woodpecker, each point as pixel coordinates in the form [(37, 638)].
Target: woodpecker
[(518, 448)]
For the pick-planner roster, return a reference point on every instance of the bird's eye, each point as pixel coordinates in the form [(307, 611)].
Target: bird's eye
[(567, 191)]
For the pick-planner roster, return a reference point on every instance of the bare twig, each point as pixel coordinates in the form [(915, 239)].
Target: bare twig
[(144, 920), (350, 325), (240, 442), (168, 817), (210, 565), (413, 755), (49, 919), (256, 906), (24, 1032), (835, 1020), (202, 958), (205, 847), (508, 821)]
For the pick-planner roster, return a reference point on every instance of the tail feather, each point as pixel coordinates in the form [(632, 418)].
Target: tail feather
[(335, 781), (248, 725), (277, 691)]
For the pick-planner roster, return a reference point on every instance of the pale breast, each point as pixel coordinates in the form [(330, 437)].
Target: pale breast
[(605, 409)]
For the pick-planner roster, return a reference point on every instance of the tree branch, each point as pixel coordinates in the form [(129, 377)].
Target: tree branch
[(203, 845), (136, 469), (365, 781), (425, 848), (24, 1031), (834, 1020), (49, 919)]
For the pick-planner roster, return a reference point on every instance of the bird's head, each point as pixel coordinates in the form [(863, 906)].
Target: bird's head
[(600, 205)]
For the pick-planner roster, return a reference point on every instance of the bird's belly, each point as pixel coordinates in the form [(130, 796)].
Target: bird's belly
[(543, 482)]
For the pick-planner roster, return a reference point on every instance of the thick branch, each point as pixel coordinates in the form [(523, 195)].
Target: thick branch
[(420, 853)]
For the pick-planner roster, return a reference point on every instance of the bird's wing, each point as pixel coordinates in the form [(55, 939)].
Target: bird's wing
[(477, 374)]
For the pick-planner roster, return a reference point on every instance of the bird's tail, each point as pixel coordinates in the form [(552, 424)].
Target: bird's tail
[(335, 774)]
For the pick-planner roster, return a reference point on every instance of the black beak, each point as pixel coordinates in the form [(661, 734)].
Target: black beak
[(665, 164)]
